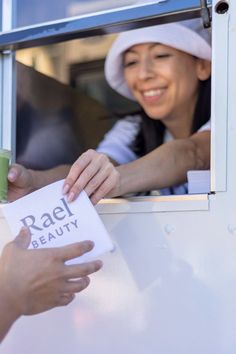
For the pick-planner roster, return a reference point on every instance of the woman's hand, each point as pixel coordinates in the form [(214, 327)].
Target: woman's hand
[(20, 182), (92, 172)]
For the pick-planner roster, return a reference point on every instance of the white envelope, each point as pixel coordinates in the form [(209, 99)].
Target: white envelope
[(53, 222)]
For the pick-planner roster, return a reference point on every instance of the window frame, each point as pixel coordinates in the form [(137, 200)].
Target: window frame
[(112, 21)]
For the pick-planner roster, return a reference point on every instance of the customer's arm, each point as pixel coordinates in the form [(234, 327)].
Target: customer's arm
[(33, 281), (165, 166)]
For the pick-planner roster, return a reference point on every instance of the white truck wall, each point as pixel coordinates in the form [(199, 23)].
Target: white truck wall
[(170, 285)]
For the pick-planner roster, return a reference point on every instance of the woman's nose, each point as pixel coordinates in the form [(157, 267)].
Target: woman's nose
[(146, 69)]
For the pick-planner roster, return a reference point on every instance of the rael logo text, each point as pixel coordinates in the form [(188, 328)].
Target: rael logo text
[(51, 225)]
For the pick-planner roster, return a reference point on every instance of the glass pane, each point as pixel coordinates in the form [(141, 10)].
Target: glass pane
[(33, 12), (61, 94)]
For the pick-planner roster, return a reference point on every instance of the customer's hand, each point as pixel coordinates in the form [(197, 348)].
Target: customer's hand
[(92, 172), (37, 280)]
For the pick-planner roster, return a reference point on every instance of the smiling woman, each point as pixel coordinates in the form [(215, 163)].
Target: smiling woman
[(166, 69)]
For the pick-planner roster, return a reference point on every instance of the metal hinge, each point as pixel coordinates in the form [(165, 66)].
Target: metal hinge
[(205, 14)]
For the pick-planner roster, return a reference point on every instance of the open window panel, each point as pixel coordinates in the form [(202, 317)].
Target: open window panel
[(28, 13), (57, 120), (64, 101), (87, 71)]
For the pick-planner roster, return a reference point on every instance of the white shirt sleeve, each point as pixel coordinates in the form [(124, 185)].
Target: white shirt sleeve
[(117, 142), (183, 188), (206, 126)]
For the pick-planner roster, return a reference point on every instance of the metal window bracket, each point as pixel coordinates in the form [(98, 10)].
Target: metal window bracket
[(205, 14)]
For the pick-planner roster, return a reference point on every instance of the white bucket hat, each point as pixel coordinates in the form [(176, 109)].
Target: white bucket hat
[(188, 36)]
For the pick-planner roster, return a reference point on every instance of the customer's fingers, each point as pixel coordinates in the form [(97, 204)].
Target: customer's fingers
[(23, 238), (78, 285), (65, 299), (74, 250), (84, 269)]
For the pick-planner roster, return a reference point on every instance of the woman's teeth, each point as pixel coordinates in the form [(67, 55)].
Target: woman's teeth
[(152, 93)]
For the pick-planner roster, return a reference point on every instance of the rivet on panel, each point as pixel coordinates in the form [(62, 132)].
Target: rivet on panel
[(169, 229), (232, 229)]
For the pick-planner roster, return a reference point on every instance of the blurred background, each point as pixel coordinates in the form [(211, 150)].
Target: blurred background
[(64, 105)]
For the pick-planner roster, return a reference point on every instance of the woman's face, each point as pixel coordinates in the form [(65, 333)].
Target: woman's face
[(164, 80)]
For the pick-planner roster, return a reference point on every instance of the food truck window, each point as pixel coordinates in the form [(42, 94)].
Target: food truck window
[(140, 12), (66, 103)]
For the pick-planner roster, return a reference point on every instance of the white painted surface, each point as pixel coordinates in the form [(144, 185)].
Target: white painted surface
[(170, 286), (167, 288)]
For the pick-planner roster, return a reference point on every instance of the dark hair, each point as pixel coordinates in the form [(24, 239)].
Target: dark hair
[(152, 131)]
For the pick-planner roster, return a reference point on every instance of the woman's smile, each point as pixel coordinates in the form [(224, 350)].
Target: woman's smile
[(152, 96)]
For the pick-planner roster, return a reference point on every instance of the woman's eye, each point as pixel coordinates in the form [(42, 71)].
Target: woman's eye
[(160, 56), (129, 63)]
